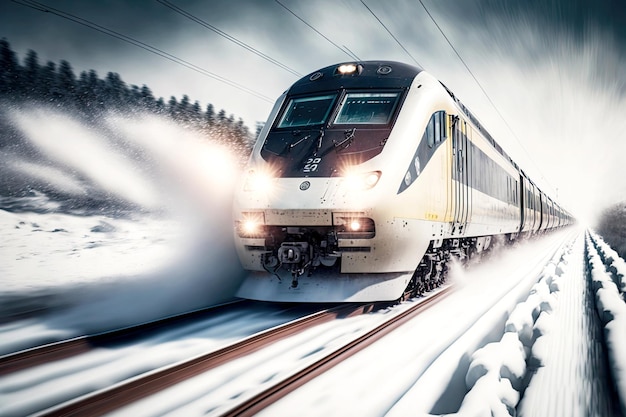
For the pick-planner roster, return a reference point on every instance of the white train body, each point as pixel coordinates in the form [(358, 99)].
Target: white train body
[(364, 180)]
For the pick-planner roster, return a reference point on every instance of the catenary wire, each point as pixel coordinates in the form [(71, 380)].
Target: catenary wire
[(345, 51), (47, 9), (392, 35), (484, 92), (229, 37)]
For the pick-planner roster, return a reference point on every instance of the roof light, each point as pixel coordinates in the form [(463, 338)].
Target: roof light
[(349, 69)]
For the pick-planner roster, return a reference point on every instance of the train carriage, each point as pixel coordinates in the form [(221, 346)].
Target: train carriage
[(365, 179)]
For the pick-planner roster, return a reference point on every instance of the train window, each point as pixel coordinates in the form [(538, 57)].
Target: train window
[(430, 131), (367, 108), (306, 111), (437, 127), (440, 126)]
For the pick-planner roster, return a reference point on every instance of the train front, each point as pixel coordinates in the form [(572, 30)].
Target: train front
[(311, 214)]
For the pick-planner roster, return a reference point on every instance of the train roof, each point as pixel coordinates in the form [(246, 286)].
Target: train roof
[(366, 74)]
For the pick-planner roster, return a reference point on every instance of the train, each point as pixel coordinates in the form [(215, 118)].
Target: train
[(366, 179)]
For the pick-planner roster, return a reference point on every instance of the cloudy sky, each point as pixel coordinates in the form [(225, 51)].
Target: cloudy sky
[(552, 70)]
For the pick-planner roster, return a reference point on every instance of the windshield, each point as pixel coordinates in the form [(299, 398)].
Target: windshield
[(367, 108), (306, 111)]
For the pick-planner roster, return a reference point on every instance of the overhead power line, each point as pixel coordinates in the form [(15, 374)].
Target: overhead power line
[(484, 92), (47, 9), (229, 37), (392, 35), (344, 50)]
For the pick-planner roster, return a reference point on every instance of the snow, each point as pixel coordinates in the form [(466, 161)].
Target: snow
[(494, 378), (516, 334), (83, 252), (63, 380), (611, 308), (615, 265)]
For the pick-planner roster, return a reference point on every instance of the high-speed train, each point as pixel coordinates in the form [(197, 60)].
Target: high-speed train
[(365, 180)]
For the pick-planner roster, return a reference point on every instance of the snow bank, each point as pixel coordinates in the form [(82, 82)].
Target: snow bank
[(496, 373), (614, 264), (611, 308)]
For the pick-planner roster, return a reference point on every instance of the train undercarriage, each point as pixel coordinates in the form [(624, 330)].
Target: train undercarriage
[(295, 253)]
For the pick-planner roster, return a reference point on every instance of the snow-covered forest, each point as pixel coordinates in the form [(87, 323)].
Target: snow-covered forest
[(89, 97)]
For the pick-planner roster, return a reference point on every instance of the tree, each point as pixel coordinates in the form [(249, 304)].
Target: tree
[(159, 106), (196, 114), (184, 109), (47, 81), (114, 91), (9, 77), (66, 83), (133, 97), (172, 107), (85, 94), (147, 99), (89, 96), (31, 75), (209, 115)]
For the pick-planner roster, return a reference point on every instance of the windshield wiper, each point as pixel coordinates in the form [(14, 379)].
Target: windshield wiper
[(319, 141), (302, 139), (349, 137)]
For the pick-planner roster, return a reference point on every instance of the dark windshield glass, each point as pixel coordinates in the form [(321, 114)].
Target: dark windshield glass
[(367, 108), (306, 111)]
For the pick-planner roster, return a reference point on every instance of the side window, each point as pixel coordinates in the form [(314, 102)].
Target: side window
[(440, 126), (430, 131), (436, 129)]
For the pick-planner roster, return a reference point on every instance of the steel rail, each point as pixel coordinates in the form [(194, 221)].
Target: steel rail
[(277, 391), (112, 398), (64, 349)]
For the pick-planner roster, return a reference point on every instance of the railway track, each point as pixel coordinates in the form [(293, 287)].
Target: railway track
[(67, 348), (271, 394), (116, 396), (130, 391), (125, 393)]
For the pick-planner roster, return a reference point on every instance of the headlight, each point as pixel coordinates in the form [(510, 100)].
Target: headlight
[(251, 225), (259, 181), (359, 182), (353, 226)]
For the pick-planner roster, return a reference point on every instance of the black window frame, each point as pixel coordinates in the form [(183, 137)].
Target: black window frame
[(290, 99), (399, 99)]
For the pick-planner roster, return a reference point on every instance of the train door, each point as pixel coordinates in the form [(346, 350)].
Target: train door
[(522, 200), (469, 172), (460, 176)]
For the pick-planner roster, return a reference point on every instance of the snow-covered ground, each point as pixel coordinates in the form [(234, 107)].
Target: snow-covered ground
[(492, 336), (608, 274), (45, 386), (83, 251), (518, 325)]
